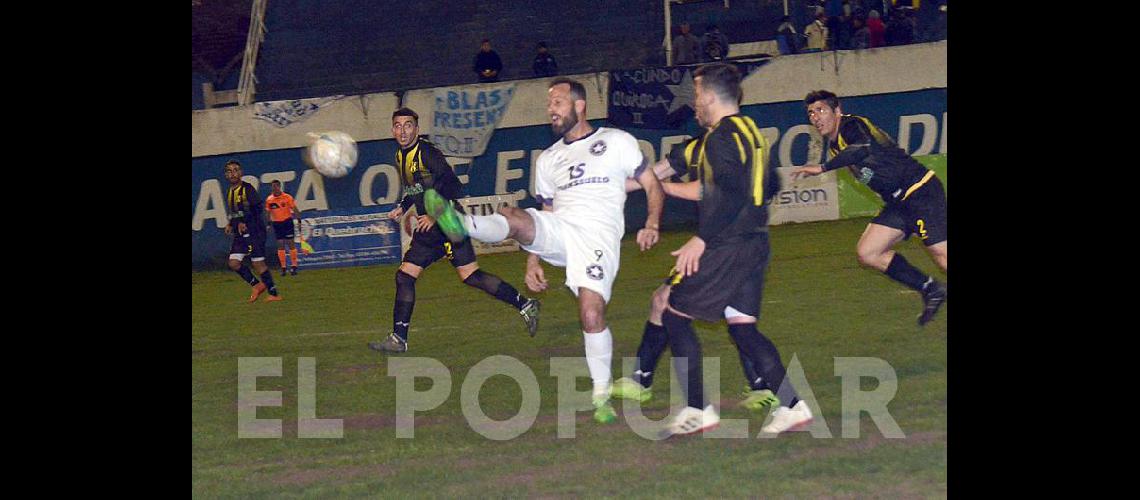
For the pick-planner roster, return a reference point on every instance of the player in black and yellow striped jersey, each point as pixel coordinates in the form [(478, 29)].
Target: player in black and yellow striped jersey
[(244, 208), (423, 167), (682, 160), (722, 268), (914, 200)]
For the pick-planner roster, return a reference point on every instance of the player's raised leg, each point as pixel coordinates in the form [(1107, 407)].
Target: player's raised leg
[(494, 286)]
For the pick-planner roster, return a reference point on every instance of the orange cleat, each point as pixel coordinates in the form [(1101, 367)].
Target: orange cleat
[(257, 290), (273, 298)]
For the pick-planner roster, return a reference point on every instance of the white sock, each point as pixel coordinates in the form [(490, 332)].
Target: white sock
[(490, 228), (599, 354)]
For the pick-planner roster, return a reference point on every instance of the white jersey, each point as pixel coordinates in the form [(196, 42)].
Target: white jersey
[(585, 179)]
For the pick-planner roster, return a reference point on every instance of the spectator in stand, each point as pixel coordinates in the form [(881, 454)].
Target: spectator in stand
[(686, 46), (816, 32), (861, 39), (787, 39), (844, 28), (900, 30), (544, 64), (487, 63), (938, 28), (876, 30), (714, 45)]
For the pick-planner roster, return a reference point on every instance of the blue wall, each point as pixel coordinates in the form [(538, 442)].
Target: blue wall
[(210, 245)]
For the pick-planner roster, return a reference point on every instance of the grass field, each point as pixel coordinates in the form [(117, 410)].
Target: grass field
[(818, 305)]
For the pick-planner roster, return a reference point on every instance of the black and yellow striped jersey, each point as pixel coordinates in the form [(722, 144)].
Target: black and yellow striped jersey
[(683, 158), (423, 167), (243, 204), (874, 159), (737, 181)]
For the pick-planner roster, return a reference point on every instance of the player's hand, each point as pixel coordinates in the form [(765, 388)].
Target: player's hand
[(689, 256), (535, 277), (229, 230), (647, 237), (395, 214), (807, 171), (242, 228), (424, 223)]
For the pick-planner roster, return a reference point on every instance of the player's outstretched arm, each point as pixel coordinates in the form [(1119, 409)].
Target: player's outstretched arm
[(807, 171), (684, 190)]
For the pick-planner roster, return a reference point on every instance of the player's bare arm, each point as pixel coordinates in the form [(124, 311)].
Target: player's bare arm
[(684, 190), (661, 168), (396, 213), (655, 199), (689, 256)]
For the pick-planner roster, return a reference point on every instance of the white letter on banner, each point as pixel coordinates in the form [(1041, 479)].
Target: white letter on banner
[(504, 173), (269, 177), (942, 145), (210, 206), (773, 135), (647, 151), (929, 133), (369, 178), (249, 398), (311, 182), (790, 139), (253, 181), (534, 154)]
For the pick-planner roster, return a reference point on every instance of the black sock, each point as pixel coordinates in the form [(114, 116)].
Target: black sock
[(267, 278), (496, 286), (755, 381), (654, 340), (765, 359), (901, 271), (246, 275), (683, 343), (405, 302)]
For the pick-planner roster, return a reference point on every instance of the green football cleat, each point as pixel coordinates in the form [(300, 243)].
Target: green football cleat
[(604, 411), (627, 388), (445, 215), (757, 400)]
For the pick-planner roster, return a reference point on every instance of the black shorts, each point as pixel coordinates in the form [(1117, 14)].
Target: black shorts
[(922, 213), (252, 245), (730, 275), (283, 230), (430, 246)]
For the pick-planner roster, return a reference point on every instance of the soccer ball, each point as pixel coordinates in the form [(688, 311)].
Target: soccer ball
[(332, 153)]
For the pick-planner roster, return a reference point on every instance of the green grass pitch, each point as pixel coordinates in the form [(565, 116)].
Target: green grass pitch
[(818, 305)]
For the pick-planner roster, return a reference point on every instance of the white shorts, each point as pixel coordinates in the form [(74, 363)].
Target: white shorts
[(590, 257)]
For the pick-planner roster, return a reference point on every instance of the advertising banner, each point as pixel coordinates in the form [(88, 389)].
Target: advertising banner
[(340, 238)]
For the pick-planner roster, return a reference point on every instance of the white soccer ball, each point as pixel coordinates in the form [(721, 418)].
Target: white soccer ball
[(332, 153)]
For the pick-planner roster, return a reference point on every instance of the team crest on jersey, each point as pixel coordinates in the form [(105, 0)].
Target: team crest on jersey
[(595, 272), (598, 148)]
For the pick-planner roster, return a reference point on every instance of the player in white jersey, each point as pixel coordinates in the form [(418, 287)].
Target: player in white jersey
[(580, 183)]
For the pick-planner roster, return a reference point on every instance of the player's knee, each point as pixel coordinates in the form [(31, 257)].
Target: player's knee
[(660, 301), (234, 264), (869, 257), (593, 320)]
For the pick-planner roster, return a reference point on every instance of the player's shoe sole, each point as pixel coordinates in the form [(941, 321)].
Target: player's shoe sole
[(258, 289), (932, 299), (274, 298), (627, 388), (445, 215), (529, 314)]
